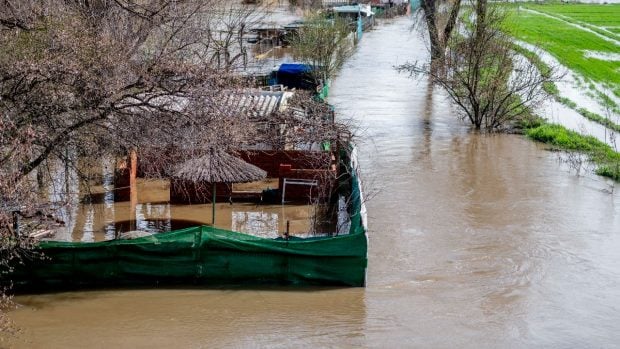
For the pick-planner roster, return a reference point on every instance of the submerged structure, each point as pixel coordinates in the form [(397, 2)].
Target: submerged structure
[(205, 255)]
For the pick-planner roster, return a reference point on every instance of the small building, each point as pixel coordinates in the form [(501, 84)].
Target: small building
[(271, 34), (389, 2), (356, 14), (332, 3)]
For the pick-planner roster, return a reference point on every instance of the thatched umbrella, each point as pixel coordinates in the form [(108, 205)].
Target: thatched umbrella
[(218, 167)]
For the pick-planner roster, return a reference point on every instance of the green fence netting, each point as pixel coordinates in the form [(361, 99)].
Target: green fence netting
[(204, 256)]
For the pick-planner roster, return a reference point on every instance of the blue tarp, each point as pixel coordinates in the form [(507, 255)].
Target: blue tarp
[(296, 75), (294, 68)]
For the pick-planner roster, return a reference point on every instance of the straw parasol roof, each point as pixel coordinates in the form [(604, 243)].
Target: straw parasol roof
[(218, 167)]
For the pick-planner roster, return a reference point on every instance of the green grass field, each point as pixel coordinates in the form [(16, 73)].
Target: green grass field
[(598, 18), (569, 43), (598, 15), (552, 90)]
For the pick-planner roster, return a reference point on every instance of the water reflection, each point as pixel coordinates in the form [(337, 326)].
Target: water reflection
[(93, 221), (153, 225), (63, 193), (427, 125), (88, 234), (98, 212), (108, 198), (262, 224)]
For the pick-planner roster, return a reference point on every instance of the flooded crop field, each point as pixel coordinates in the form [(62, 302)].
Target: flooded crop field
[(569, 32), (476, 241)]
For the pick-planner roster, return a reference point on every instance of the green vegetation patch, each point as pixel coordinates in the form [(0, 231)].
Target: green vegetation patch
[(601, 154), (563, 138), (568, 44), (593, 17), (599, 15)]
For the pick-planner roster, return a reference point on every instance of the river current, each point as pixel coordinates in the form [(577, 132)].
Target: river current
[(476, 241)]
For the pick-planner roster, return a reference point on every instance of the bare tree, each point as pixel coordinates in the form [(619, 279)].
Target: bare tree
[(306, 4), (98, 80), (227, 26), (483, 76), (324, 44), (14, 195), (83, 79)]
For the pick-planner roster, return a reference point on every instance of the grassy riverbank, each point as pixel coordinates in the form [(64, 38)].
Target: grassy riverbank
[(553, 91), (606, 159), (571, 45)]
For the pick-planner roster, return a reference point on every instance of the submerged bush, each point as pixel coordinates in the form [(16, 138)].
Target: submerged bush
[(601, 154), (610, 171)]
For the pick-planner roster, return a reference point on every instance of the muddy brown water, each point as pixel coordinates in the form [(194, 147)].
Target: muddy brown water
[(475, 242), (102, 218)]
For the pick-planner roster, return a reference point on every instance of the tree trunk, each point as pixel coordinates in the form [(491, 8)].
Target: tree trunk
[(439, 37), (430, 15)]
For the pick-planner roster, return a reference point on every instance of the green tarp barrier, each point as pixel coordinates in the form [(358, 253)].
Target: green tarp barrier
[(203, 256)]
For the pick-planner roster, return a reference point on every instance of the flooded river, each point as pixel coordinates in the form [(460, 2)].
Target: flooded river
[(476, 241)]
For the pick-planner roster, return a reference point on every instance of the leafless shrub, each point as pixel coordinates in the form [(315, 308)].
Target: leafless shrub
[(324, 44), (483, 76), (80, 80), (306, 4)]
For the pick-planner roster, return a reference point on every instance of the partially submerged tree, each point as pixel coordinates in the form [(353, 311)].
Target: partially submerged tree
[(306, 4), (483, 76), (227, 27), (324, 44), (440, 18)]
